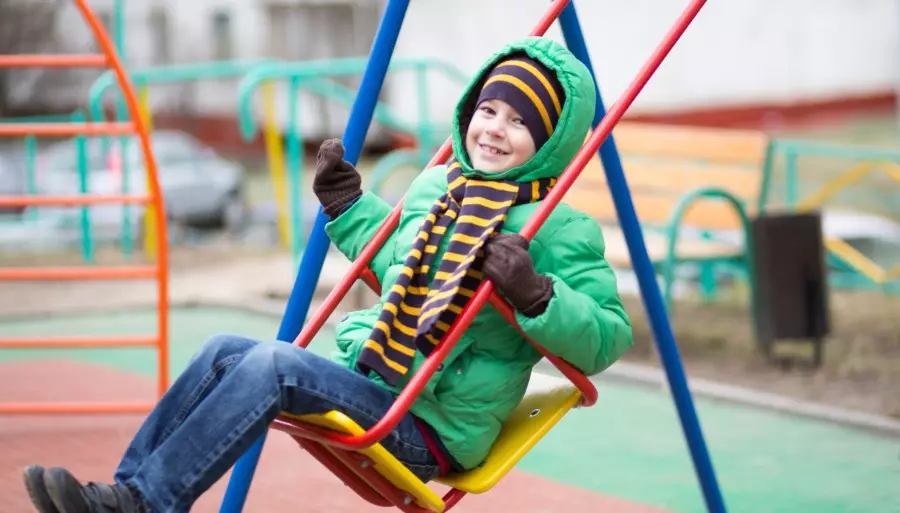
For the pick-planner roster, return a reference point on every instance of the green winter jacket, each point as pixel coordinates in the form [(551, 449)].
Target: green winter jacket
[(485, 375)]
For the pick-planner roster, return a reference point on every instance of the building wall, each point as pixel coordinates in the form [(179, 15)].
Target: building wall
[(735, 55), (173, 32)]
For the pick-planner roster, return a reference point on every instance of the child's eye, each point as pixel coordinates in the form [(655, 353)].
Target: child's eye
[(487, 110), (518, 121)]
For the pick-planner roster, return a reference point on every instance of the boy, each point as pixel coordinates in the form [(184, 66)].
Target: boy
[(519, 124)]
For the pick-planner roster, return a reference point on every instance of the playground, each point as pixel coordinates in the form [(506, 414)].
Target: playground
[(695, 417), (765, 459)]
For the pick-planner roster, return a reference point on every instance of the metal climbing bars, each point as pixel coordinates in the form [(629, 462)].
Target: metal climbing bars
[(157, 271), (333, 443)]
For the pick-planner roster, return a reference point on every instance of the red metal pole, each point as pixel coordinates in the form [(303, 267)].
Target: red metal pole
[(66, 129), (53, 61), (140, 126), (581, 382), (350, 478), (613, 115), (359, 266), (78, 342), (72, 201), (119, 272), (421, 377), (484, 291), (35, 408)]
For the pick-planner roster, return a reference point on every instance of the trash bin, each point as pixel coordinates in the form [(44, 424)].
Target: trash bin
[(791, 282)]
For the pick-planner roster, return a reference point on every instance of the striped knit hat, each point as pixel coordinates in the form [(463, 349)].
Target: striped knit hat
[(530, 88)]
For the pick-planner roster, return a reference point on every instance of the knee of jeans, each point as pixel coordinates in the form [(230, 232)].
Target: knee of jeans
[(221, 345), (266, 352), (273, 354)]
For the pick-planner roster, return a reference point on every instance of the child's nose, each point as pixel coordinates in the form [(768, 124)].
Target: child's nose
[(494, 127)]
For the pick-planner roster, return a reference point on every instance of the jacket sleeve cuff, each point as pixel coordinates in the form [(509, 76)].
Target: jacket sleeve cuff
[(533, 324), (345, 207)]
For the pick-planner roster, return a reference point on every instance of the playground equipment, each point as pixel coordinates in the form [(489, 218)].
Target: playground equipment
[(315, 77), (689, 185), (831, 188), (675, 171), (143, 80), (354, 454), (158, 272), (78, 117), (33, 177), (30, 144)]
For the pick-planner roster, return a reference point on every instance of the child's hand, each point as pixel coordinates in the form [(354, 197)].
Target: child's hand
[(508, 264), (337, 182)]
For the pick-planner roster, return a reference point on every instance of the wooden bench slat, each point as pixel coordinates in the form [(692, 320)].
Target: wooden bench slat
[(711, 214), (675, 177), (693, 143), (662, 163)]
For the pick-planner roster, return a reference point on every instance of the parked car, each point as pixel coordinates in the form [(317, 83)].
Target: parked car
[(200, 188), (875, 236)]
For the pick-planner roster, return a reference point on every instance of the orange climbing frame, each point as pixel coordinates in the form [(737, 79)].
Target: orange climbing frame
[(157, 271)]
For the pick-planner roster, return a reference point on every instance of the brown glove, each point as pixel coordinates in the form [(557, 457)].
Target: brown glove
[(337, 183), (508, 264)]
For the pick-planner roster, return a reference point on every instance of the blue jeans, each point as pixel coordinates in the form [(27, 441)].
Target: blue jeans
[(224, 401)]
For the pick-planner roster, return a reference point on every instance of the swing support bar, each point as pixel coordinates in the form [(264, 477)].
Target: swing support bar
[(359, 270), (339, 443)]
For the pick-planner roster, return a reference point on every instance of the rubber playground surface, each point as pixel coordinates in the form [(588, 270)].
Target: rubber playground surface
[(627, 454)]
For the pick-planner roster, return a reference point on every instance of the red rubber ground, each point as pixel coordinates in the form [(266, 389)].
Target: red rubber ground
[(287, 478)]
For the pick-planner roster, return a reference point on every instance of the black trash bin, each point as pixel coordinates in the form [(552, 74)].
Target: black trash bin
[(791, 282)]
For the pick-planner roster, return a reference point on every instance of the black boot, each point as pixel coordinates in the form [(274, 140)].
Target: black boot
[(70, 496), (37, 490)]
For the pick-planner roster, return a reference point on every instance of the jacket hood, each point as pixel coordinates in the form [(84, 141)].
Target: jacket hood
[(574, 121)]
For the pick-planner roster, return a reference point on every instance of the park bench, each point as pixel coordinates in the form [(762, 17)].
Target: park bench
[(690, 183)]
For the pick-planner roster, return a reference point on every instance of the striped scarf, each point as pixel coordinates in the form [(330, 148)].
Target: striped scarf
[(416, 315)]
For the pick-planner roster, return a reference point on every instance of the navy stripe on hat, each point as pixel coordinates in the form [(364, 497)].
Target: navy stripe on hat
[(530, 88)]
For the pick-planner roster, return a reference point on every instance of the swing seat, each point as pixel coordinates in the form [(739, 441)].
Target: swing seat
[(546, 401), (382, 461)]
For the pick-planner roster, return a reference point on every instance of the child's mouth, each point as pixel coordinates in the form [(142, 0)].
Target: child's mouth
[(492, 150)]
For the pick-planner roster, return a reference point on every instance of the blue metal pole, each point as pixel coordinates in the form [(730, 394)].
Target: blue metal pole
[(656, 311), (318, 243)]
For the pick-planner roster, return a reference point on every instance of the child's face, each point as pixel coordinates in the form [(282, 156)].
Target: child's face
[(497, 138)]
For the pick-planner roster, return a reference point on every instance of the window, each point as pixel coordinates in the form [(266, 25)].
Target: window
[(159, 33), (321, 30), (222, 41), (311, 30)]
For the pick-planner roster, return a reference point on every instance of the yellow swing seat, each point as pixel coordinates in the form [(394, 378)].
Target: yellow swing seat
[(546, 401)]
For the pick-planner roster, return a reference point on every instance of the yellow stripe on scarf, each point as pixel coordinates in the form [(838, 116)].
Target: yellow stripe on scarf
[(375, 346), (480, 221), (484, 202)]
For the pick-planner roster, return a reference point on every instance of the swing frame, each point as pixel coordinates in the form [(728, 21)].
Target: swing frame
[(347, 450)]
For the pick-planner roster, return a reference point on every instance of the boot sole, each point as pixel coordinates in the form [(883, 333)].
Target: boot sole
[(37, 489)]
